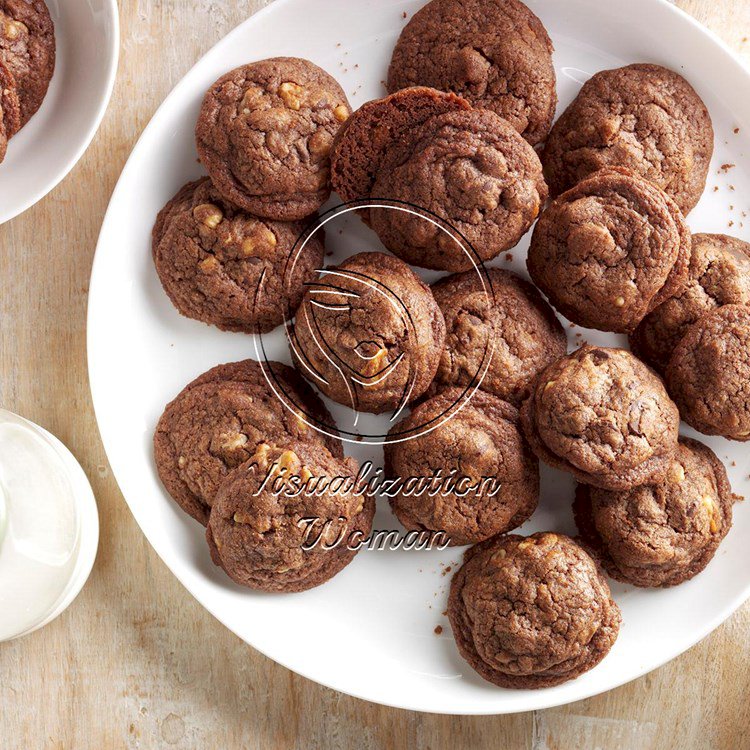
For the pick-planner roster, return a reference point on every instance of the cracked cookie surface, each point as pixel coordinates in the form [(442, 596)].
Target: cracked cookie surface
[(643, 117), (531, 612), (369, 333), (215, 423), (610, 250), (257, 529), (719, 275), (469, 168), (495, 53), (10, 108), (224, 266), (709, 373), (496, 475), (264, 134), (604, 416), (499, 331), (664, 533)]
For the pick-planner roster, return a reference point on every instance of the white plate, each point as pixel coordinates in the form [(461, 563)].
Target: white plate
[(369, 632), (47, 148)]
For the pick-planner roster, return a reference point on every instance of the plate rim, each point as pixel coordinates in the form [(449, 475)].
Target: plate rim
[(540, 703)]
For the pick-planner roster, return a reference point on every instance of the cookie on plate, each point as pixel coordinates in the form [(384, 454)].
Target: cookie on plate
[(643, 117), (276, 523), (488, 481), (10, 108), (223, 266), (369, 333), (610, 250), (470, 169), (264, 134), (363, 141), (27, 48), (719, 275), (531, 612), (216, 422), (495, 53), (709, 373), (661, 533), (499, 333), (603, 416)]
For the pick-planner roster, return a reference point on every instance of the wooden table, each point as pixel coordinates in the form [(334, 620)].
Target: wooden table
[(136, 662)]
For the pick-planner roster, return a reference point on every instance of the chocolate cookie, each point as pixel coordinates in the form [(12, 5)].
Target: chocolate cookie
[(363, 141), (496, 53), (643, 117), (499, 332), (719, 275), (664, 533), (264, 134), (610, 250), (531, 612), (709, 373), (10, 108), (217, 420), (369, 334), (486, 478), (27, 47), (469, 168), (223, 266), (603, 416), (259, 529)]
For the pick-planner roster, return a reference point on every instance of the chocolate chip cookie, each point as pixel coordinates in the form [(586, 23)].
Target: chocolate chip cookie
[(531, 612), (709, 373), (369, 333), (643, 117), (495, 53), (27, 48), (264, 134), (603, 416), (368, 135), (217, 421), (499, 333), (10, 108), (610, 250), (223, 266), (486, 479), (469, 168), (662, 533), (719, 275), (261, 529)]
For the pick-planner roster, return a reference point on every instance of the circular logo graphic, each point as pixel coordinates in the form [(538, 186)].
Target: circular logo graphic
[(359, 335)]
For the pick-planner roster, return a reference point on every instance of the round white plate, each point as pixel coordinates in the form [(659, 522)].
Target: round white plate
[(370, 631), (87, 33)]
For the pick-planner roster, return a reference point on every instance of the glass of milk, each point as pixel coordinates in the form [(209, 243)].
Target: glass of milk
[(49, 527)]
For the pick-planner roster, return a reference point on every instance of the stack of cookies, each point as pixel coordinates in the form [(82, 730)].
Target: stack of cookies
[(27, 62), (446, 169)]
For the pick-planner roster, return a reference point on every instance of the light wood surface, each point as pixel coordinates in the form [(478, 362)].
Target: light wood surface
[(136, 662)]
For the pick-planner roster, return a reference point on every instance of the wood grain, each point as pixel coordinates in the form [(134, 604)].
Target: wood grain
[(136, 662)]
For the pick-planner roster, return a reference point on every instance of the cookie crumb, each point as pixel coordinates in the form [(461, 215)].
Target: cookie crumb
[(438, 629), (736, 130), (404, 15), (727, 167)]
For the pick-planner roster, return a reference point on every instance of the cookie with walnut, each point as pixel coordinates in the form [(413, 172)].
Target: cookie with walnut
[(660, 533), (719, 275), (603, 416), (260, 528), (531, 612), (643, 117), (610, 250), (10, 108), (216, 422), (27, 48), (223, 266), (264, 134), (495, 53), (495, 477)]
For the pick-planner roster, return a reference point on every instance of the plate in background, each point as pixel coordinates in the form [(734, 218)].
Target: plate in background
[(87, 35), (385, 606)]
